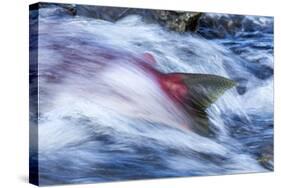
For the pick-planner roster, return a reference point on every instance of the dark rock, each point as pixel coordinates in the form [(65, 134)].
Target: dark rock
[(220, 26), (175, 20), (224, 25), (266, 157), (242, 86), (241, 90), (103, 13), (179, 21)]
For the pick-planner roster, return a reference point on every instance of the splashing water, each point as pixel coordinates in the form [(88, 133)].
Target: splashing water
[(101, 118)]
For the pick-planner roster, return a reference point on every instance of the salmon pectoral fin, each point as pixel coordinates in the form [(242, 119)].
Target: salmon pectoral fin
[(203, 90)]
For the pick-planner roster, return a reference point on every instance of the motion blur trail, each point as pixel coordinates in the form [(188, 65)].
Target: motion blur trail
[(104, 123)]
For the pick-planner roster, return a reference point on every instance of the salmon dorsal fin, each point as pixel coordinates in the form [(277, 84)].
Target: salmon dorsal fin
[(149, 58)]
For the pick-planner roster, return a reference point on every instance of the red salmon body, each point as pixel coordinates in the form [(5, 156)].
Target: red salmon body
[(171, 84)]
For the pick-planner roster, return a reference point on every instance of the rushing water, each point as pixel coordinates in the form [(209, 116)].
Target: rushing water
[(104, 123)]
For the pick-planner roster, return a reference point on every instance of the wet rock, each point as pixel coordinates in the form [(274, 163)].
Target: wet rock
[(103, 13), (241, 90), (224, 25), (71, 9), (266, 157), (242, 86), (175, 20), (179, 21), (220, 26)]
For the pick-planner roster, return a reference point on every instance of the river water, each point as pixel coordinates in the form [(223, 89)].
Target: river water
[(102, 123)]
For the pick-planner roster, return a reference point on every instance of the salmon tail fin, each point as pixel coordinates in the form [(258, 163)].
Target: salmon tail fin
[(203, 90)]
